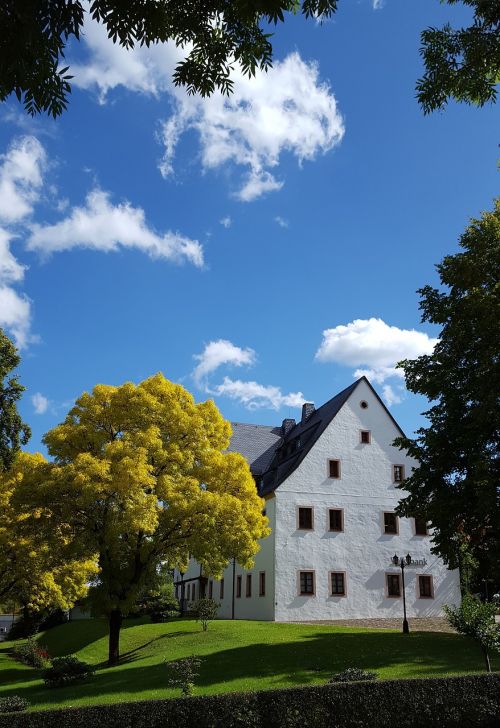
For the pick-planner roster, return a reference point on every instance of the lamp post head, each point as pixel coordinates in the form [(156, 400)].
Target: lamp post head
[(395, 559), (408, 559)]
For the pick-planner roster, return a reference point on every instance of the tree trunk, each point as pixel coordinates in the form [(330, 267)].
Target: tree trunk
[(115, 623), (487, 660)]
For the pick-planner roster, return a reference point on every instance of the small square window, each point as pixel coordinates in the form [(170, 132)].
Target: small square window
[(262, 584), (238, 587), (336, 519), (398, 473), (421, 528), (334, 468), (221, 589), (390, 523), (393, 585), (425, 590), (366, 437), (249, 585), (305, 519), (337, 583), (306, 583)]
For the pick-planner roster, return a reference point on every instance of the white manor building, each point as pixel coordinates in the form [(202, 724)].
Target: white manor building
[(330, 488)]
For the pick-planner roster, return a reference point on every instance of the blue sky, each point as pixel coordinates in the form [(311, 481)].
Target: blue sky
[(261, 251)]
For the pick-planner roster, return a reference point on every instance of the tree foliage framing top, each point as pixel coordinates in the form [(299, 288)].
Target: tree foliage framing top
[(462, 64)]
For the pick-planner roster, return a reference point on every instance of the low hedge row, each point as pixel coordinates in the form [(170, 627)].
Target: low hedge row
[(458, 702)]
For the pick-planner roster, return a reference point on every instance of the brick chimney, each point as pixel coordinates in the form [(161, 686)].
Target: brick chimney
[(286, 426), (307, 410)]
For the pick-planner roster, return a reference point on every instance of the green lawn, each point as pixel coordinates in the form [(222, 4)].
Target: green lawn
[(238, 656)]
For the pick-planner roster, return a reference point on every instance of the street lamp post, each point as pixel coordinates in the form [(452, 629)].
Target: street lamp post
[(403, 562)]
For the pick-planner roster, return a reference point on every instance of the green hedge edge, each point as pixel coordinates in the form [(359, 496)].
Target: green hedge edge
[(471, 701)]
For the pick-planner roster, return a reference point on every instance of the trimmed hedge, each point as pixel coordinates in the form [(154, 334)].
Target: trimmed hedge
[(471, 701)]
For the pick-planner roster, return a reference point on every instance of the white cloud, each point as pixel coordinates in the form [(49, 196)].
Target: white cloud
[(11, 270), (255, 396), (226, 222), (219, 353), (100, 225), (144, 70), (15, 315), (40, 403), (250, 394), (390, 396), (375, 348), (281, 221), (21, 177), (287, 109), (378, 4)]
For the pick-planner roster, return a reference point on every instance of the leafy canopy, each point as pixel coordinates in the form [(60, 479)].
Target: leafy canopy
[(141, 478), (13, 431), (456, 485), (38, 567), (462, 64)]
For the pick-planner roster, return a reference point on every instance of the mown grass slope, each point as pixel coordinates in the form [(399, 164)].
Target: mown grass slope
[(237, 655)]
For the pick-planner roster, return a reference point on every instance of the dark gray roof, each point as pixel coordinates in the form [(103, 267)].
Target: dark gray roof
[(257, 443), (272, 456), (300, 439)]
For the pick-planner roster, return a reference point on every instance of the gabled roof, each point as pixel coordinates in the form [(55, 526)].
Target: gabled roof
[(300, 439), (257, 443), (273, 456)]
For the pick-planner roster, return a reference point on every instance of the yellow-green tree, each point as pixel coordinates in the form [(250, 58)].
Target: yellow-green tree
[(140, 477), (39, 568)]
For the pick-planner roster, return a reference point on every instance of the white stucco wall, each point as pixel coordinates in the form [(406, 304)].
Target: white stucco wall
[(364, 491), (254, 607)]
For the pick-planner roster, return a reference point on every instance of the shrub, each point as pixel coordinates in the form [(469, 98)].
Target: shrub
[(476, 619), (163, 615), (183, 673), (65, 671), (31, 653), (13, 704), (471, 701), (353, 674), (205, 611)]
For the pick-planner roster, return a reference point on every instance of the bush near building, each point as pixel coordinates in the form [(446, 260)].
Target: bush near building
[(459, 702)]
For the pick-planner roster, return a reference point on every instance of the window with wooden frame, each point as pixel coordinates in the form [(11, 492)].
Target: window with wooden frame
[(393, 585), (262, 583), (337, 584), (305, 518), (248, 591), (390, 523), (365, 437), (421, 527), (306, 583), (221, 589), (334, 468), (398, 473), (210, 589), (238, 587), (425, 586), (335, 519)]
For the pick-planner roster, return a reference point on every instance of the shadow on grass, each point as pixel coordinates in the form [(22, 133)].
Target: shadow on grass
[(313, 658), (135, 654)]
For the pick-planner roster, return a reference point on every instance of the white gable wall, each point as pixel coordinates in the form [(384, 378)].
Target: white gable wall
[(364, 491)]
